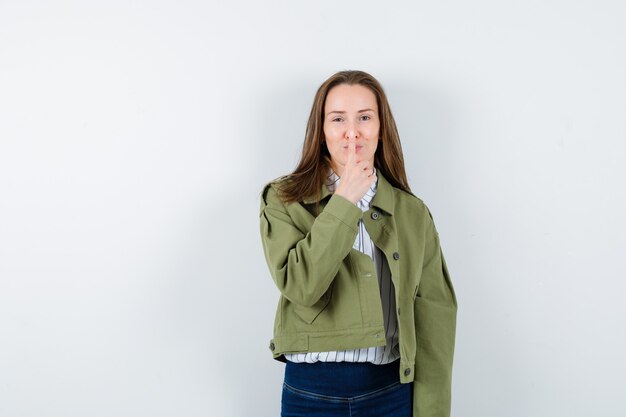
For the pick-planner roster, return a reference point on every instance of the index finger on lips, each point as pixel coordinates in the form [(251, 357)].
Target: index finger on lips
[(351, 149)]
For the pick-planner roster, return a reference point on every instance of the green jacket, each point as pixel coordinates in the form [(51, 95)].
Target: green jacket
[(330, 298)]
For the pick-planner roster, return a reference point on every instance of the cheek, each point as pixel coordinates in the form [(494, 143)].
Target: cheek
[(334, 148), (375, 132), (331, 140)]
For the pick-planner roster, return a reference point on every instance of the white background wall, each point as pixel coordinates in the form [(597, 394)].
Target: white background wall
[(135, 137)]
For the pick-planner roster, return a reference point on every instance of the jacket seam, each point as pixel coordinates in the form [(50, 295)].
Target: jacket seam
[(321, 332), (354, 229)]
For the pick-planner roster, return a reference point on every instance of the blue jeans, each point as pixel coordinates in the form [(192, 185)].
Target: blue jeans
[(333, 389)]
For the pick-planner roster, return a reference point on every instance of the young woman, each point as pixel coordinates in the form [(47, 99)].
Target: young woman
[(367, 314)]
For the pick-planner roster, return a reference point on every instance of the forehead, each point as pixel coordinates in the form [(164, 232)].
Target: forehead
[(344, 97)]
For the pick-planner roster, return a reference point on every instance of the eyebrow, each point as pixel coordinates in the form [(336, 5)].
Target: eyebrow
[(341, 112)]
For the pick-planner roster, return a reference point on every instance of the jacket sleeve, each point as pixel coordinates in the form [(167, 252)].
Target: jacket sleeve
[(303, 264), (435, 325)]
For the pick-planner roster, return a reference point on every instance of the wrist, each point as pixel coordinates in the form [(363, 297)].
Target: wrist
[(347, 197)]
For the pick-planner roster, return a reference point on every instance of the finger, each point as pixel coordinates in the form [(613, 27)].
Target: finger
[(351, 149)]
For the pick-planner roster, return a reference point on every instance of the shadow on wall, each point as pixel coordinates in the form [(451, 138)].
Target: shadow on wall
[(282, 110), (223, 300), (433, 125)]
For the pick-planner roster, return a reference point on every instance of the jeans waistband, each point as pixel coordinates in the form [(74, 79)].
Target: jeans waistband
[(344, 379)]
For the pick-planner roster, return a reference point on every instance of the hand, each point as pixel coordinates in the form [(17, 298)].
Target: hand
[(357, 177)]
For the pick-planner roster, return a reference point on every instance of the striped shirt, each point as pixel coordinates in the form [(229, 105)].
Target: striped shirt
[(363, 243)]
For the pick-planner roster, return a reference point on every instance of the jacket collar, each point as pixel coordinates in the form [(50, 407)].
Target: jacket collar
[(383, 198)]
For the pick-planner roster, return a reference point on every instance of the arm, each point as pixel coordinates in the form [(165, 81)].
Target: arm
[(303, 265), (435, 325)]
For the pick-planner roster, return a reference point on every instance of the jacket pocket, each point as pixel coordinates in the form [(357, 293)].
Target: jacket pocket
[(309, 314)]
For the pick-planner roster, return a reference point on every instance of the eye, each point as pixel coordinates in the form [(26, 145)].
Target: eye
[(337, 119), (366, 117)]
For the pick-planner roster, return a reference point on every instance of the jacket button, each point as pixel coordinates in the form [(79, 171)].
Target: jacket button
[(396, 256), (375, 215), (272, 347), (407, 372)]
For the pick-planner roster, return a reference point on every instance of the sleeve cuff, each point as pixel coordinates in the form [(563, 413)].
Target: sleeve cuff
[(345, 210)]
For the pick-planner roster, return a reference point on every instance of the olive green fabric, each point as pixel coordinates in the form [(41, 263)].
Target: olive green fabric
[(330, 298)]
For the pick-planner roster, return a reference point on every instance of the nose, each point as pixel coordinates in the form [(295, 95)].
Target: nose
[(351, 132)]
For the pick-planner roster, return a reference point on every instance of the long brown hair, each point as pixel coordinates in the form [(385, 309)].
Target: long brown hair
[(312, 170)]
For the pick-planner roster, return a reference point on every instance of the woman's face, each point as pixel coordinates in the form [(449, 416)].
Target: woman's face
[(351, 111)]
